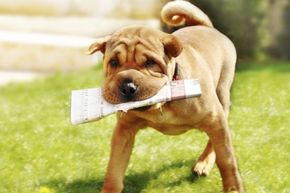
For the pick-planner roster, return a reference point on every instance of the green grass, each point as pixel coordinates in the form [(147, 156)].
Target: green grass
[(41, 152)]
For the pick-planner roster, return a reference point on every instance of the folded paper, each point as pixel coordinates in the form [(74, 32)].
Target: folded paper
[(89, 105)]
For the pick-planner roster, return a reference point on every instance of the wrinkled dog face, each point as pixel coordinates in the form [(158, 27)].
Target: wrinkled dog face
[(138, 61)]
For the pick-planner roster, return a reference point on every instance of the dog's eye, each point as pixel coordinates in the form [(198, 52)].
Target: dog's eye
[(114, 63), (149, 63)]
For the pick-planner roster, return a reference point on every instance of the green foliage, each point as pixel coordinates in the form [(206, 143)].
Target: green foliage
[(241, 20), (282, 47), (41, 152)]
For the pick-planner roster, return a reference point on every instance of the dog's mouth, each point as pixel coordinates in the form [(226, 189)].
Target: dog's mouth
[(129, 92), (131, 85)]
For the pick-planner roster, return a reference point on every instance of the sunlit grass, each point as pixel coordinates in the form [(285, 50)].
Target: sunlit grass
[(40, 151)]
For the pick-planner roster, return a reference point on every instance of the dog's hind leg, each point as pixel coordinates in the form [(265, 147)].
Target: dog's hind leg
[(205, 161)]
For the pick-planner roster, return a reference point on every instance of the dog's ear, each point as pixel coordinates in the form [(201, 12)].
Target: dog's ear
[(99, 45), (172, 46)]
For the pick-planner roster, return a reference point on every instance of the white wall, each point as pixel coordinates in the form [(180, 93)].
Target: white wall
[(103, 8)]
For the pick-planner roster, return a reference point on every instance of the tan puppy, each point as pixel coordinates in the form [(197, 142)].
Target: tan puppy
[(138, 61)]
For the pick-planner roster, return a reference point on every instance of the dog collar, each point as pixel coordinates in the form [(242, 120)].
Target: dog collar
[(175, 75)]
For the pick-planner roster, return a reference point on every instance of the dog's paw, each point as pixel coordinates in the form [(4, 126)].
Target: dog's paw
[(202, 168), (234, 189)]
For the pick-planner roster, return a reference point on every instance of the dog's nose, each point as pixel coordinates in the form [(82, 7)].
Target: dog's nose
[(128, 90)]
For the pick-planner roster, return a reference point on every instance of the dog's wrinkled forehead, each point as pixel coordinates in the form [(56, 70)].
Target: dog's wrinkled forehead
[(134, 32), (134, 39)]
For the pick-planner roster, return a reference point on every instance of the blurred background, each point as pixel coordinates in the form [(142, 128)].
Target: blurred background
[(44, 36)]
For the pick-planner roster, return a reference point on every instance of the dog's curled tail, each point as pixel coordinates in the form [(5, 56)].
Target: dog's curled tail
[(177, 13)]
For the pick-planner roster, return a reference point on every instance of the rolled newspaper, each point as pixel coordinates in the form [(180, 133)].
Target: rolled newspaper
[(89, 105)]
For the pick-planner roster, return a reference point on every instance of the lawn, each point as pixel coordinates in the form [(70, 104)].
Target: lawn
[(41, 152)]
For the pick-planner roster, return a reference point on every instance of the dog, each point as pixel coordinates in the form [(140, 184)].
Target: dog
[(139, 60)]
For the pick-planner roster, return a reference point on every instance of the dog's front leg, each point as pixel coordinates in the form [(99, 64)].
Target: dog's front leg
[(219, 135), (121, 149)]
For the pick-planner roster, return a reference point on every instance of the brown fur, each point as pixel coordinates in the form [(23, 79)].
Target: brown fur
[(200, 52)]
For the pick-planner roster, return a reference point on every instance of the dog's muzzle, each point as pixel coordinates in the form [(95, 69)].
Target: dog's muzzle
[(128, 90)]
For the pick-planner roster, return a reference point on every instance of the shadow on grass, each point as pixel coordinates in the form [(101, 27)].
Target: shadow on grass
[(134, 183)]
